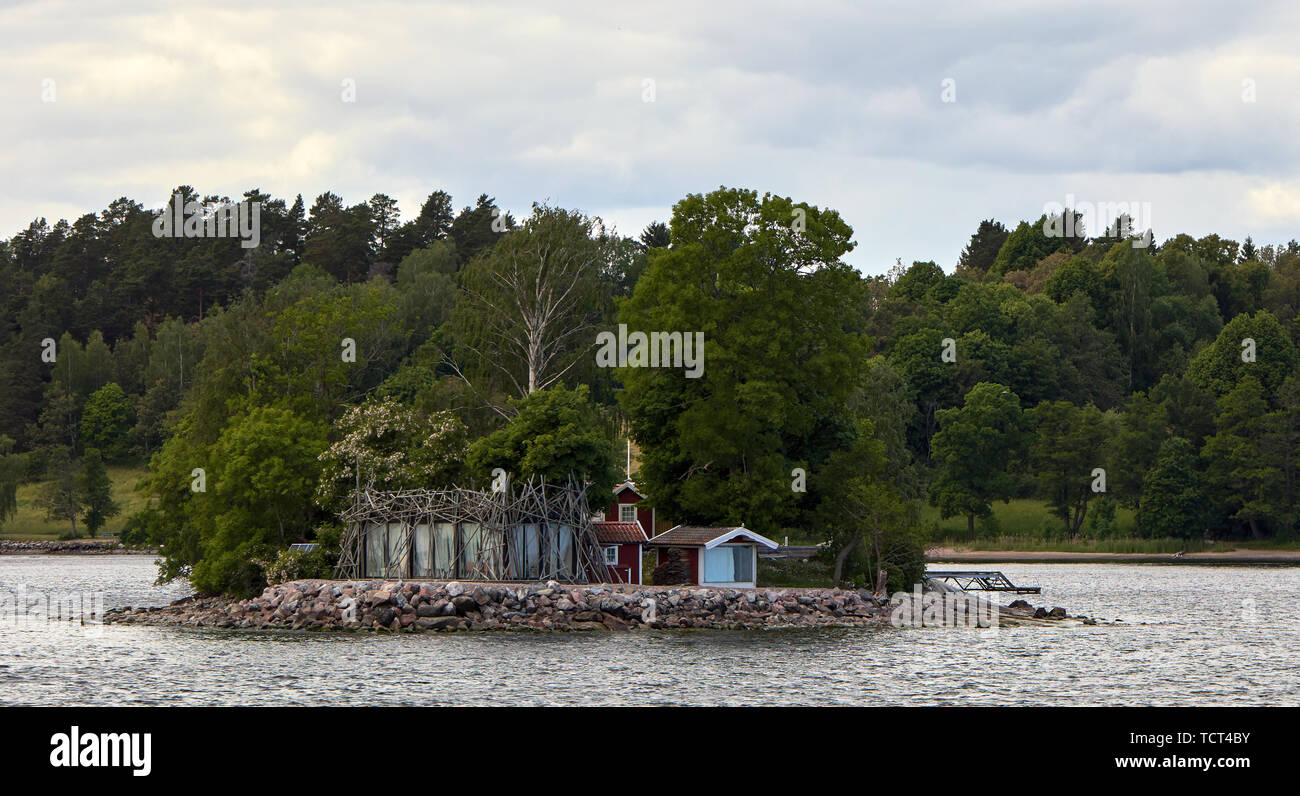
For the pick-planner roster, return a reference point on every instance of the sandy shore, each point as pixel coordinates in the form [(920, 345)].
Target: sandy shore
[(949, 554)]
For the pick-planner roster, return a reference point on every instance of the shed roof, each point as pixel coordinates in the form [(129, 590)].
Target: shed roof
[(709, 537), (619, 532)]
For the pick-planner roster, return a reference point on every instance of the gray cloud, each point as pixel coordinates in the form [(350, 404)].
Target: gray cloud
[(838, 104)]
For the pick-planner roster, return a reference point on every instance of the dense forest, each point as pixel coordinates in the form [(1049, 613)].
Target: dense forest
[(1091, 372)]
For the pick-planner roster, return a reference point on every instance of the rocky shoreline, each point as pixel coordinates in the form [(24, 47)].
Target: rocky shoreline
[(70, 547), (418, 606), (410, 606)]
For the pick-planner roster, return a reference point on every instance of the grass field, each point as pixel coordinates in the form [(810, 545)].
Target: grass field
[(1019, 518), (30, 522)]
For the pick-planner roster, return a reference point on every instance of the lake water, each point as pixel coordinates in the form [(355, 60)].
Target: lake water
[(1191, 635)]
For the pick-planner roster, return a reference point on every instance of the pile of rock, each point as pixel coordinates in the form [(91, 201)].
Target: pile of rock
[(84, 546), (1022, 609), (411, 606)]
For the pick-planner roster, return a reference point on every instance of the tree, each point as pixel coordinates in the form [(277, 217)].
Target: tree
[(762, 280), (1069, 443), (106, 422), (1173, 493), (388, 446), (554, 434), (1135, 448), (974, 448), (11, 475), (1220, 366), (978, 256), (656, 236), (1243, 477), (63, 494), (99, 505), (264, 471), (530, 310)]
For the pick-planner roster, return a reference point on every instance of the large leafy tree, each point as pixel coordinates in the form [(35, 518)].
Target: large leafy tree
[(975, 447), (1220, 366), (555, 434), (1174, 493), (761, 278), (106, 422), (1248, 483)]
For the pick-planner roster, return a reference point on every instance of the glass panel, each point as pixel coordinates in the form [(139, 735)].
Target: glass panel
[(566, 552), (423, 551), (470, 541), (444, 550), (627, 512), (375, 546), (744, 563), (489, 552), (532, 552), (719, 565), (396, 560), (515, 552)]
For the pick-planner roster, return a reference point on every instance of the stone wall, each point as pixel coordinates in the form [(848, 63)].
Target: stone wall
[(419, 606)]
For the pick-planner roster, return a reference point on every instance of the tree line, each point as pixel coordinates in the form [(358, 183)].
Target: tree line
[(261, 384)]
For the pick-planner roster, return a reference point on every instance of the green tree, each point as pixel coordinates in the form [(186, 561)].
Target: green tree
[(762, 280), (63, 494), (106, 422), (1134, 449), (1245, 480), (974, 448), (978, 256), (1173, 493), (99, 505), (11, 475), (1221, 366), (264, 471), (1068, 445), (555, 434)]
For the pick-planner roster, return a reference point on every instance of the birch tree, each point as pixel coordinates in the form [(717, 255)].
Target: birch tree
[(530, 310)]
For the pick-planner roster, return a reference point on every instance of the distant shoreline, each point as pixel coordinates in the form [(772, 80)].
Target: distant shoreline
[(68, 547), (949, 554)]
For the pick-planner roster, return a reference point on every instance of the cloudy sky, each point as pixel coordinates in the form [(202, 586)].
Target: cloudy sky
[(1188, 109)]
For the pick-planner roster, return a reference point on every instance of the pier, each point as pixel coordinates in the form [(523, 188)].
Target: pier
[(980, 580)]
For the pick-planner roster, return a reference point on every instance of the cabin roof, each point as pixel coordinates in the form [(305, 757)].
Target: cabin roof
[(709, 537), (619, 532), (626, 485)]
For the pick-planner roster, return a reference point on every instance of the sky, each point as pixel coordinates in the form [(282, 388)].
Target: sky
[(913, 120)]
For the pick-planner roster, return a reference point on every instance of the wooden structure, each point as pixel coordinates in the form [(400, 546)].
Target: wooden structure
[(529, 531)]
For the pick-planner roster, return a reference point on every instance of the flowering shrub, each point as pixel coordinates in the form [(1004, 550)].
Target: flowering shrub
[(395, 447)]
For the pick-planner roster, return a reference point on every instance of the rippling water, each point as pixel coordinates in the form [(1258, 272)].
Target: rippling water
[(1194, 635)]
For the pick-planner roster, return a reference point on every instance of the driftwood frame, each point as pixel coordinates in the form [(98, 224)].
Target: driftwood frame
[(489, 523)]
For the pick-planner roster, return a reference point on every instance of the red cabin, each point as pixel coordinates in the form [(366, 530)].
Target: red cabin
[(623, 532)]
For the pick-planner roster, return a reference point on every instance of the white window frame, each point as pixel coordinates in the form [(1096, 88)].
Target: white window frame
[(628, 506), (611, 550)]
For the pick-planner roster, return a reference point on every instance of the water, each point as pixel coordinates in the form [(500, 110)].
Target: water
[(1190, 636)]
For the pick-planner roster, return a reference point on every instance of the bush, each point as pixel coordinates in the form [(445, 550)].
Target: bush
[(298, 565)]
